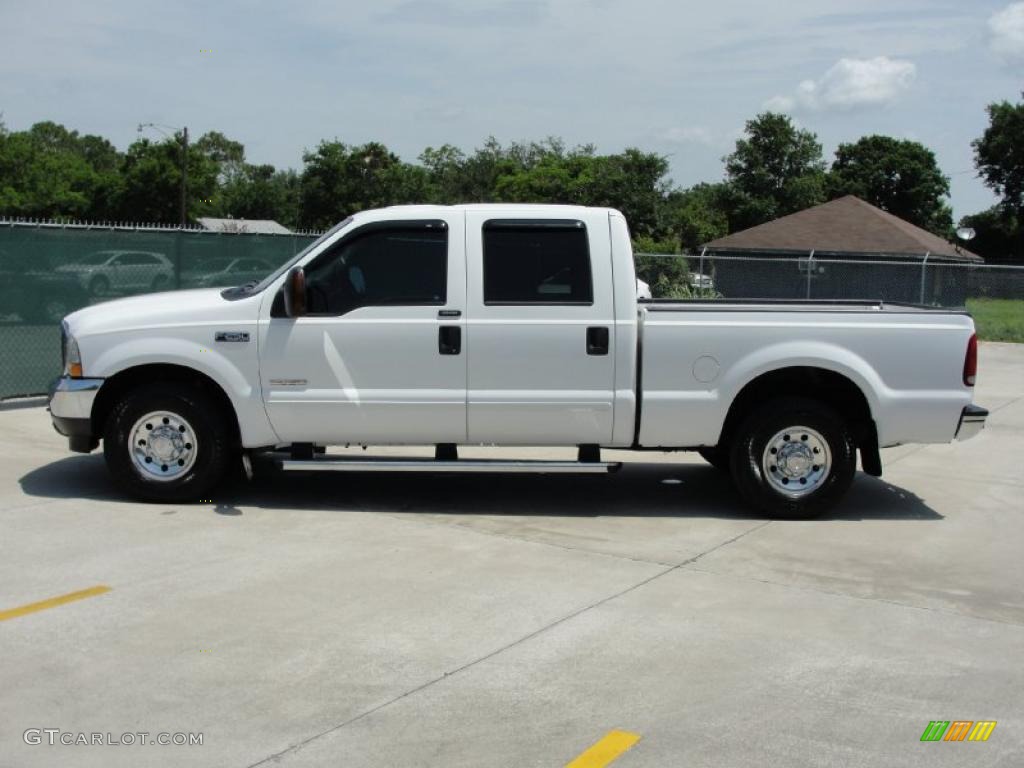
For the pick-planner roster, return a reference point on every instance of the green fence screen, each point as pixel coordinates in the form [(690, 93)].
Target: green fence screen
[(48, 270)]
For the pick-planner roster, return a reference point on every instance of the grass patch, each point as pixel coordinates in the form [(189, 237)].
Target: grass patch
[(998, 319)]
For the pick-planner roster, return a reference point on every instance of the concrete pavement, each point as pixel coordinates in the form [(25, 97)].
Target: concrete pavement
[(512, 621)]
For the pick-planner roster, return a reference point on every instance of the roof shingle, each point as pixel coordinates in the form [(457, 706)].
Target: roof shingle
[(846, 225)]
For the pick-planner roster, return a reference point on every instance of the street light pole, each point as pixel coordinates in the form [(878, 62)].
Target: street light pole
[(183, 218)]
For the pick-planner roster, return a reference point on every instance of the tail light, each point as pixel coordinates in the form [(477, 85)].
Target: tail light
[(971, 361)]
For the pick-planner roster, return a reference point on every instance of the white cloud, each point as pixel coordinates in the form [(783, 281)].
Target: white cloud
[(690, 134), (780, 104), (852, 83), (1007, 27)]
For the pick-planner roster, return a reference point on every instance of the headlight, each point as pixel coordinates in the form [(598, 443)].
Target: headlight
[(72, 358)]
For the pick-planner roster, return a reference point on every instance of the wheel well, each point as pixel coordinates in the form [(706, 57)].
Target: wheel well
[(829, 387), (130, 378)]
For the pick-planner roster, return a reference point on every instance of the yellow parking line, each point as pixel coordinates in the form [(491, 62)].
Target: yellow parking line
[(53, 602), (613, 744)]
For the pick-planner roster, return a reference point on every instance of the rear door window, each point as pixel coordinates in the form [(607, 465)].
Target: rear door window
[(545, 261)]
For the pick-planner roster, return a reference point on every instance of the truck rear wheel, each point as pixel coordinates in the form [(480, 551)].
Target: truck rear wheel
[(717, 457), (167, 443), (793, 458)]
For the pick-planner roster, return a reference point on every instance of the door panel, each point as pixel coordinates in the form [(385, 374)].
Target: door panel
[(374, 374), (531, 379)]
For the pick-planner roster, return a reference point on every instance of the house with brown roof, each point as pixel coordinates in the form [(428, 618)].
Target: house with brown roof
[(843, 249)]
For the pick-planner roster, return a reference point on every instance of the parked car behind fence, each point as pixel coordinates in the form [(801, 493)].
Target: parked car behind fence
[(226, 273), (105, 273)]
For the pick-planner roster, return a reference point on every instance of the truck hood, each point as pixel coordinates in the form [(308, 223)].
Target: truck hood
[(163, 310)]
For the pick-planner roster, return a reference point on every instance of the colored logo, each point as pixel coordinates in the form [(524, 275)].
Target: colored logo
[(958, 730)]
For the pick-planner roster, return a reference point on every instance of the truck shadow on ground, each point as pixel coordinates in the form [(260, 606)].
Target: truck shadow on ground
[(638, 490)]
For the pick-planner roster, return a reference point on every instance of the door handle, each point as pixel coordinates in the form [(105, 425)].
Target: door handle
[(597, 340), (449, 339)]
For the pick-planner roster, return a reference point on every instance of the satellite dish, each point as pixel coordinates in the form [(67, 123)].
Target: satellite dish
[(966, 233)]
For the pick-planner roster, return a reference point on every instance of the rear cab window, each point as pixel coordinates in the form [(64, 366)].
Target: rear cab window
[(530, 262)]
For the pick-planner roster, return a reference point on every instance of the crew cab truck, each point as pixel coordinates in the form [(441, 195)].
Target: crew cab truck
[(510, 325)]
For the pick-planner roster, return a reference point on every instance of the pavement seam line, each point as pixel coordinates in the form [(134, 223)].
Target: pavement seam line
[(1006, 405), (862, 598), (525, 638), (988, 481), (412, 517)]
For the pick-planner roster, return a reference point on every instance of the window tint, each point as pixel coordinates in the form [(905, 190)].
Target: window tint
[(136, 259), (536, 262), (402, 263)]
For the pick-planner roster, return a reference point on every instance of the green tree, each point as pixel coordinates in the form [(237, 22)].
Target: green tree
[(151, 181), (261, 192), (446, 174), (635, 183), (899, 176), (997, 234), (697, 215), (455, 177), (339, 180), (775, 170), (999, 158), (659, 264), (50, 172), (548, 172), (151, 177)]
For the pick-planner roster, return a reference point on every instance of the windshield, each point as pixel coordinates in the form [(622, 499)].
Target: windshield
[(262, 284)]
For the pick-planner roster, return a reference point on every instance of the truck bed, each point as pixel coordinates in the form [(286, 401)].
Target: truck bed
[(696, 356), (794, 305)]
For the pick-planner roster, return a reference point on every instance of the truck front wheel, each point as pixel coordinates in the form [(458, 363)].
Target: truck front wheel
[(167, 442), (793, 458)]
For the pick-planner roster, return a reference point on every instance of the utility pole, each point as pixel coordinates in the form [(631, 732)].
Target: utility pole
[(183, 219), (184, 176)]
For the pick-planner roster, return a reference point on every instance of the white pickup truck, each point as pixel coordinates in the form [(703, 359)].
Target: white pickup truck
[(509, 325)]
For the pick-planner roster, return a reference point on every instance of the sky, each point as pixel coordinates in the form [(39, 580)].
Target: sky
[(669, 76)]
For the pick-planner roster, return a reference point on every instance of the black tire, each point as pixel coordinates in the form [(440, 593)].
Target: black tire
[(717, 457), (214, 447), (99, 286), (751, 442), (46, 310)]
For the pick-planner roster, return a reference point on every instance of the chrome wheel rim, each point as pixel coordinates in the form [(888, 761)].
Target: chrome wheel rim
[(796, 461), (163, 446)]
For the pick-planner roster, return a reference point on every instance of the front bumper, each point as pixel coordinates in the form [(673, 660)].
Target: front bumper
[(972, 421), (70, 406)]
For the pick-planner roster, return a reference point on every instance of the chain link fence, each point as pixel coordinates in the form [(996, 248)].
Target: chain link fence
[(49, 269), (897, 280), (993, 294)]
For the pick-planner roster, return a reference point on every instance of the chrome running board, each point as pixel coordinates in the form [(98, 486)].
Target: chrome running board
[(341, 464)]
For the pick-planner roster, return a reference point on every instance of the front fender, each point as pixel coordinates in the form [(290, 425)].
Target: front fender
[(234, 367), (167, 350)]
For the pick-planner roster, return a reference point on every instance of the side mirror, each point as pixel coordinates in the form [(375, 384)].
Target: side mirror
[(295, 292)]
